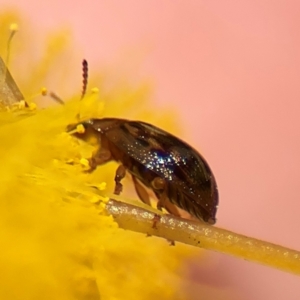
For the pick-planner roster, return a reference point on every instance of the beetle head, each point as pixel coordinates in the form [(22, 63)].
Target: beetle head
[(85, 131)]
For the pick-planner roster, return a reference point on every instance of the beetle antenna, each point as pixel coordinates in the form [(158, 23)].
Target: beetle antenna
[(85, 75)]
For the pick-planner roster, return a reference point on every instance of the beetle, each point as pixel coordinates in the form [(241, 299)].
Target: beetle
[(178, 175)]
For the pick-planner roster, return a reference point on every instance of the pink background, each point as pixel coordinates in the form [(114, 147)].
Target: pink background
[(232, 69)]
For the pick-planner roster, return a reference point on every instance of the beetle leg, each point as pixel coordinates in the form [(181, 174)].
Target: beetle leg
[(141, 191), (120, 174), (159, 186), (158, 183), (144, 197), (99, 158)]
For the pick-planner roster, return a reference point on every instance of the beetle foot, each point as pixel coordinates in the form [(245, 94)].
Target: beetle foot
[(156, 220), (172, 243), (118, 188)]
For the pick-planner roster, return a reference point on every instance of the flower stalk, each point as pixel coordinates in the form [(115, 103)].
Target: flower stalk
[(209, 237)]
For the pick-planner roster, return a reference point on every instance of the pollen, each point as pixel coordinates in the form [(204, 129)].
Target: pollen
[(95, 199), (80, 129), (102, 186), (84, 162), (14, 27), (21, 104), (32, 106), (105, 199), (44, 91)]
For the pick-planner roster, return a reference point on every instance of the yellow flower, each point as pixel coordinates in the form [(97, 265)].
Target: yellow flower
[(57, 242)]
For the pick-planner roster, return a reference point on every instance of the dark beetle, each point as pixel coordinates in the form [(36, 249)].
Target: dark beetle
[(177, 173)]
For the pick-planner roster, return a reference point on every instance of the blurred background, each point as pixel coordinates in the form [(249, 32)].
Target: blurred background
[(231, 69)]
